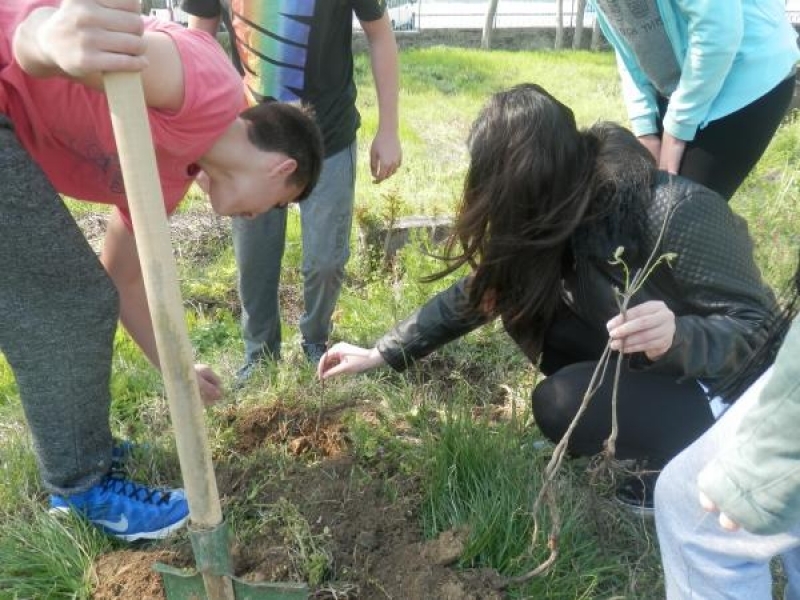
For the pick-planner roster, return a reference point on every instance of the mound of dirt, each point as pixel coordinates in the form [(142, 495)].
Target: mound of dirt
[(373, 536), (299, 430), (130, 574)]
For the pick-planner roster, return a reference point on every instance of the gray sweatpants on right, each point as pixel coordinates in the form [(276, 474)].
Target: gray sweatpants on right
[(58, 315)]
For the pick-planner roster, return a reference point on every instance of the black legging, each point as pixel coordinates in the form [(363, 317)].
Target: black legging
[(724, 152), (658, 416)]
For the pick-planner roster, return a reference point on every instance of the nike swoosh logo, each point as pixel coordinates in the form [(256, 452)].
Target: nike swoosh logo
[(120, 526)]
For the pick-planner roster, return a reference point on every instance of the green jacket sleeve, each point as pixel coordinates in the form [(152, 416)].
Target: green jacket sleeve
[(755, 480)]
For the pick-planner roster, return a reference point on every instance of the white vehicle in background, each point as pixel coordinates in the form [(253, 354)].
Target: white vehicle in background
[(175, 15), (403, 16)]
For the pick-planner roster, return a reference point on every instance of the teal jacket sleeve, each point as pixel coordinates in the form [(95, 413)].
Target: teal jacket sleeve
[(638, 93), (715, 32), (755, 480), (706, 36)]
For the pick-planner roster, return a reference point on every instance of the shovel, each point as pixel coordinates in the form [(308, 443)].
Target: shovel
[(210, 541)]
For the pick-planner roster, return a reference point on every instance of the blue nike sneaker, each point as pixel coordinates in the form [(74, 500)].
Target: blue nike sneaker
[(127, 510)]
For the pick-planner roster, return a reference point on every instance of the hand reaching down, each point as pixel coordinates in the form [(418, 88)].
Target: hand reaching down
[(346, 358), (209, 384)]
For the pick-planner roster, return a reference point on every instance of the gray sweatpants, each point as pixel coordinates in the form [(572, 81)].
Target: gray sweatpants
[(58, 315)]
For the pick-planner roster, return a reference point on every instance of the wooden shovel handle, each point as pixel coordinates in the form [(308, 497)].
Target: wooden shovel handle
[(146, 201)]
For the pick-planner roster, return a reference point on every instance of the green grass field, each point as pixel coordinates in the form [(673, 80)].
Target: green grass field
[(451, 442)]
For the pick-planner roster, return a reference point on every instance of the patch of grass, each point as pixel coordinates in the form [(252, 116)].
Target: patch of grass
[(307, 549), (442, 90), (19, 481), (48, 557), (478, 477), (485, 476)]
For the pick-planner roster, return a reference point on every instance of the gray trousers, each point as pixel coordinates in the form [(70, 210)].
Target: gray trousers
[(58, 315), (326, 218)]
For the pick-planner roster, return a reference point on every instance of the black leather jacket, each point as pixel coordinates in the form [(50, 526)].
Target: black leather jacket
[(713, 286)]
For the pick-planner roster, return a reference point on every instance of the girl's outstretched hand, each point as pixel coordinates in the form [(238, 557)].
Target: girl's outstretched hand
[(346, 358), (648, 327)]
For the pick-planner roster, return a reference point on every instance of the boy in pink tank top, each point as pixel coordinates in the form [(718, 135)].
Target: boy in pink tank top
[(60, 304)]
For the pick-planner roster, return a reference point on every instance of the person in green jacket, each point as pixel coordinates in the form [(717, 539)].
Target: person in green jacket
[(746, 468)]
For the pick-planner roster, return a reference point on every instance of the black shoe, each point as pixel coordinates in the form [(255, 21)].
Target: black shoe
[(246, 371), (636, 493), (314, 352)]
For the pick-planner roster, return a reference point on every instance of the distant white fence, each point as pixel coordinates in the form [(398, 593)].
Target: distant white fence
[(519, 13), (430, 14)]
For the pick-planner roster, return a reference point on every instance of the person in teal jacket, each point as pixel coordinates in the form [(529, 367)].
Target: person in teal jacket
[(705, 82), (746, 467)]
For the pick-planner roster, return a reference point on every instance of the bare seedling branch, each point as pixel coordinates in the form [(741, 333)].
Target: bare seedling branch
[(546, 497)]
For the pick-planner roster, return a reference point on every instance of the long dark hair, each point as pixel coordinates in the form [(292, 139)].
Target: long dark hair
[(534, 178)]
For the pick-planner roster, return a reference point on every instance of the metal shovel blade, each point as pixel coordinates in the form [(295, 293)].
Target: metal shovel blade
[(187, 584)]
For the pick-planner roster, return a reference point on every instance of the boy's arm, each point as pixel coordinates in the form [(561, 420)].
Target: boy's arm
[(385, 153), (82, 39), (121, 260)]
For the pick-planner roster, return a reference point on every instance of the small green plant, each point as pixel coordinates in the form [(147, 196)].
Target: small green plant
[(376, 229)]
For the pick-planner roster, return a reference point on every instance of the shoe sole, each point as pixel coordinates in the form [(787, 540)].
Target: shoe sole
[(151, 535), (644, 512), (159, 534)]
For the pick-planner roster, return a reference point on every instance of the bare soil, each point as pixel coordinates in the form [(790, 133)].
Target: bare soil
[(374, 538), (196, 235)]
